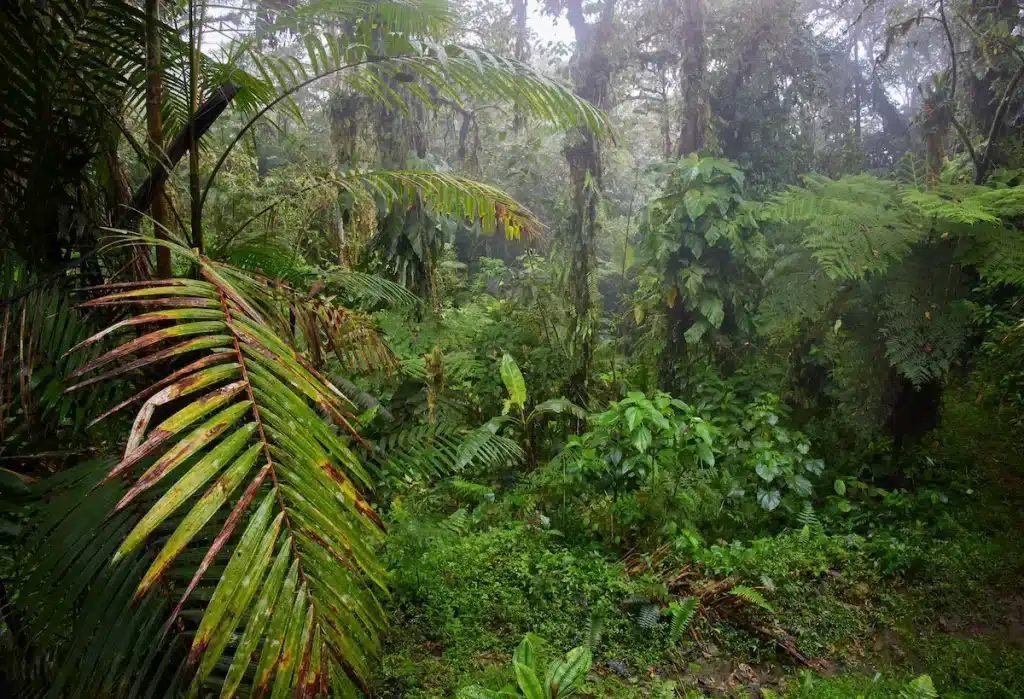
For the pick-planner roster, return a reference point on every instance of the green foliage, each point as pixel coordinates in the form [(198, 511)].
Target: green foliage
[(681, 614), (563, 676), (701, 243)]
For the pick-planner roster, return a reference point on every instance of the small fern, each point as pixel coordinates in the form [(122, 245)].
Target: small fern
[(681, 614), (751, 596), (807, 517), (648, 615), (457, 522)]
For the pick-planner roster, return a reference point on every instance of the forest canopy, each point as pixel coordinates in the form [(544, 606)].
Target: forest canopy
[(473, 348)]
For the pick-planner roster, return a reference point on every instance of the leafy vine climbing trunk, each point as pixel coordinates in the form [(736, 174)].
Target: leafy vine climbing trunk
[(692, 132), (591, 77)]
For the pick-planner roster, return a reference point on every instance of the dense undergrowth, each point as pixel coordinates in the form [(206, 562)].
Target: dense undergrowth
[(898, 582)]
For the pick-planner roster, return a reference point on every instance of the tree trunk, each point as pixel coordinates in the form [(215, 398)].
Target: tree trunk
[(155, 127), (692, 67), (591, 77), (520, 55)]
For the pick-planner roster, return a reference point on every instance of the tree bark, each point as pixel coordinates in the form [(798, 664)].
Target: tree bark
[(692, 68), (591, 77), (155, 127)]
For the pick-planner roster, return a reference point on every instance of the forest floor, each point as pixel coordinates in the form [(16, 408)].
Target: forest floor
[(925, 581)]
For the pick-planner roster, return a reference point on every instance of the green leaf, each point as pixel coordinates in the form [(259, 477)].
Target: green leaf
[(528, 681), (705, 453), (839, 486), (526, 653), (257, 622), (681, 613), (768, 499), (566, 676), (695, 332), (712, 310), (514, 382), (642, 439), (752, 596)]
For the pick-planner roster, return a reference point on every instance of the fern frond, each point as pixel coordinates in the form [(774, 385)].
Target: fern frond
[(853, 226), (441, 450), (457, 522), (369, 287), (647, 616), (681, 614), (751, 596)]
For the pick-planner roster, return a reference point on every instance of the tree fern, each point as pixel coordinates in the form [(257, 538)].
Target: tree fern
[(853, 226), (242, 406)]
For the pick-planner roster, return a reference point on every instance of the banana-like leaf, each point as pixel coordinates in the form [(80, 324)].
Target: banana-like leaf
[(253, 416), (514, 382)]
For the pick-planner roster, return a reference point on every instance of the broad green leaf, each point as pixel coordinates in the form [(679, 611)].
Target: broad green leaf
[(513, 380), (769, 499), (641, 439), (529, 683), (526, 653)]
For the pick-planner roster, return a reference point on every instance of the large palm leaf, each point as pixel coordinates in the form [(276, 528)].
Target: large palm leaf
[(285, 532)]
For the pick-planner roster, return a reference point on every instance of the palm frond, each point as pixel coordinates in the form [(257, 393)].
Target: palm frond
[(36, 332), (301, 581)]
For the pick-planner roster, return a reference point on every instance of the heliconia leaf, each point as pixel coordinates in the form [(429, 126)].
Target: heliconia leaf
[(525, 653), (529, 683), (258, 619), (181, 491), (274, 637), (513, 380), (184, 449), (199, 515)]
